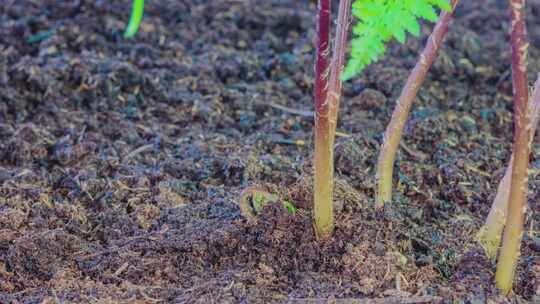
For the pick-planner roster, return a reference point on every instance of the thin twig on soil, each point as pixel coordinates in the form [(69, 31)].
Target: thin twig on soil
[(305, 113)]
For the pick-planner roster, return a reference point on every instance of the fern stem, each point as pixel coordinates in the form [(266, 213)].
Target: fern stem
[(326, 112), (323, 52), (489, 235), (517, 205), (323, 170), (338, 60), (394, 130)]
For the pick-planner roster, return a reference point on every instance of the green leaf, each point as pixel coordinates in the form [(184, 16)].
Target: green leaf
[(135, 19), (426, 11), (258, 201), (397, 30), (353, 68), (378, 21), (442, 4), (410, 23), (291, 209)]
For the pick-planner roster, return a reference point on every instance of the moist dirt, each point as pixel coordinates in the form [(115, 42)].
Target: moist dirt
[(122, 161)]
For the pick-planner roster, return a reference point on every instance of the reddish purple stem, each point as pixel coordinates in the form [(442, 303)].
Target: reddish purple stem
[(323, 53)]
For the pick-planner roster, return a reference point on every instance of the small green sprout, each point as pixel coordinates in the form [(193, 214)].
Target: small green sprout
[(135, 19), (291, 209), (259, 200), (253, 199), (381, 20)]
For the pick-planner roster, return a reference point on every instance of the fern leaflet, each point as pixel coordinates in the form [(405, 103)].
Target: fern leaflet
[(381, 20)]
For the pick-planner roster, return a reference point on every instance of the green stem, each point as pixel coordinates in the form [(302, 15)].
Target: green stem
[(135, 19)]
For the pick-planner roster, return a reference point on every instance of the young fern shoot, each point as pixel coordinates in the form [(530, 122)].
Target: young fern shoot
[(394, 130), (137, 12), (517, 205), (489, 235), (327, 98)]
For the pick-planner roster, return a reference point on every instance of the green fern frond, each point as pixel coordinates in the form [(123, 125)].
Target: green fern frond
[(381, 20)]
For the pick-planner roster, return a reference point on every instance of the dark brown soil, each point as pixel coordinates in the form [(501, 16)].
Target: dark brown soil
[(121, 162)]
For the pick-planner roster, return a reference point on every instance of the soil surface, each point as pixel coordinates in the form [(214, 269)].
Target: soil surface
[(122, 161)]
